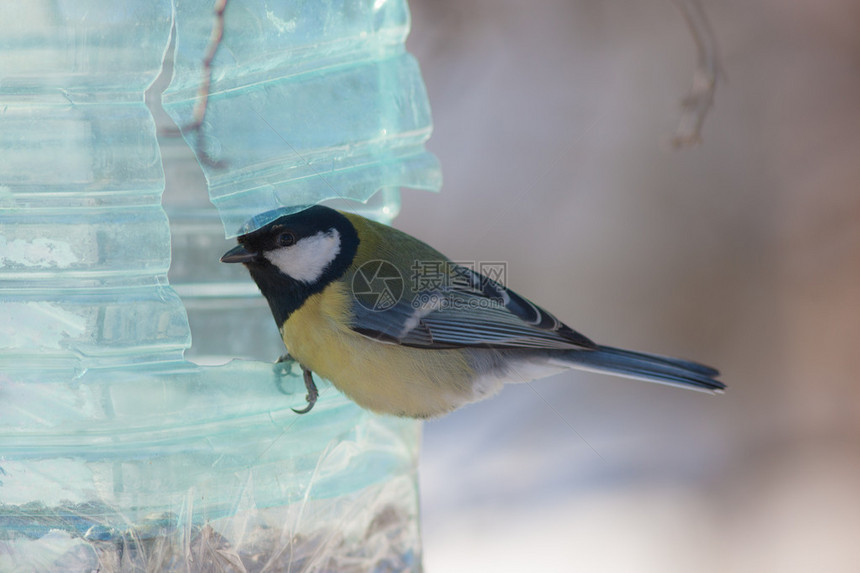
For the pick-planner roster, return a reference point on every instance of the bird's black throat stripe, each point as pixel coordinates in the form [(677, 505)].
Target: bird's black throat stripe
[(286, 294)]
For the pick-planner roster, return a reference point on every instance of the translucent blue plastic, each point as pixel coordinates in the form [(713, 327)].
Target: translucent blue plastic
[(116, 452), (309, 101), (84, 242)]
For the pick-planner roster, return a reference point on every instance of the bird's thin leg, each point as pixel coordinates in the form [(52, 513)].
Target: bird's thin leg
[(313, 393)]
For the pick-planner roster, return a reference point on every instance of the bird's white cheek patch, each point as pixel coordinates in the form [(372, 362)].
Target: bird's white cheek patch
[(308, 258)]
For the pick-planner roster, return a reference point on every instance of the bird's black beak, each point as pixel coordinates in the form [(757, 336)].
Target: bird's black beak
[(238, 254)]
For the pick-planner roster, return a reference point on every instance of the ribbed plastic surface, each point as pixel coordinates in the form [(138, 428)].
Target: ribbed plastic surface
[(309, 101), (117, 454)]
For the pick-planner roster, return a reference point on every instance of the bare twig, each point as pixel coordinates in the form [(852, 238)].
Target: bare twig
[(700, 98), (199, 113), (214, 41)]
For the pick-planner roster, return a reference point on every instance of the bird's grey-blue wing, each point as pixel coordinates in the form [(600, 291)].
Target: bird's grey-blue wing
[(469, 310)]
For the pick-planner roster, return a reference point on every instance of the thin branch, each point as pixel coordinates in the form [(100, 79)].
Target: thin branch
[(700, 98), (199, 113), (214, 42)]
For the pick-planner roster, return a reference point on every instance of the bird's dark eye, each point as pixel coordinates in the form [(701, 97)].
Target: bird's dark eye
[(286, 239)]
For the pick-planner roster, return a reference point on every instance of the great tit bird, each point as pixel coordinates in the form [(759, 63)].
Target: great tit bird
[(401, 329)]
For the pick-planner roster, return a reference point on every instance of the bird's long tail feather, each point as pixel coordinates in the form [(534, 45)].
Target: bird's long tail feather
[(652, 367)]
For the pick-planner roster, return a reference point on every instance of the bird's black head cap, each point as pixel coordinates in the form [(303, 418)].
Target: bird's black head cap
[(296, 256)]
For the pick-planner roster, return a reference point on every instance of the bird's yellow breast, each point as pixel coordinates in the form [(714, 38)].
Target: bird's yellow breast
[(382, 377)]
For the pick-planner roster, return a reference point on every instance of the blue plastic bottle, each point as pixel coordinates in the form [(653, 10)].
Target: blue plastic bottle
[(117, 452)]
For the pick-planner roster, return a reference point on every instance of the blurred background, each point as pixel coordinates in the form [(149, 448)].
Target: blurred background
[(553, 122)]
